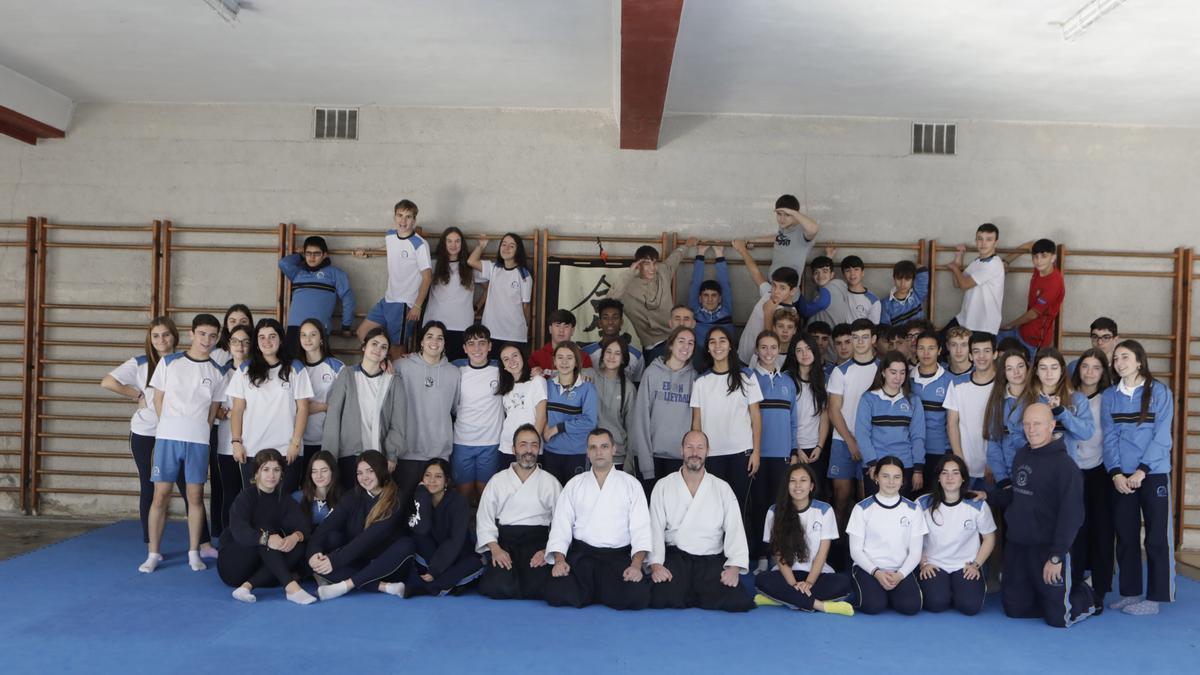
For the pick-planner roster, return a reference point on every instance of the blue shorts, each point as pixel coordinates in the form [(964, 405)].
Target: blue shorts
[(391, 315), (841, 465), (474, 463), (169, 455)]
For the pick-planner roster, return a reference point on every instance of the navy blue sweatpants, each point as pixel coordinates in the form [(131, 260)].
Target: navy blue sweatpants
[(1152, 503), (1027, 596), (905, 598), (946, 590)]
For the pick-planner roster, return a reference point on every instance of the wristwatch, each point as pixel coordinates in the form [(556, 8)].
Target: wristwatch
[(264, 538), (1055, 560)]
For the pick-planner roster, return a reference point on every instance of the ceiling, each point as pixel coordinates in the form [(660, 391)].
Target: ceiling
[(928, 59)]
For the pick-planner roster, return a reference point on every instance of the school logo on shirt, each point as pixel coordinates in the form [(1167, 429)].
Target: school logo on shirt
[(403, 254), (516, 283), (940, 391), (206, 382), (905, 522), (571, 395), (904, 407), (429, 382), (816, 526), (1021, 479), (327, 377), (284, 385), (968, 524), (493, 384)]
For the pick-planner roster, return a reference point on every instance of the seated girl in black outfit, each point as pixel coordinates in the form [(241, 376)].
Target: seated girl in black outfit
[(263, 544), (441, 530), (370, 520)]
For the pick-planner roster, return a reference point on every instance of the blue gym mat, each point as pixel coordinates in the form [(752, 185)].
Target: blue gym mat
[(81, 606)]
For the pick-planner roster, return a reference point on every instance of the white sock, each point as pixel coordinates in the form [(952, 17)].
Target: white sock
[(1143, 608), (301, 597), (1126, 601), (195, 562), (394, 588), (241, 593), (333, 591), (151, 563)]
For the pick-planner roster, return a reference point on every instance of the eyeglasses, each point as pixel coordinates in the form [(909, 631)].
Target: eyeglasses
[(244, 343), (1102, 338)]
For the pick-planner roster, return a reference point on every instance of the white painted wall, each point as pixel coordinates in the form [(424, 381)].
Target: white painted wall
[(494, 170), (35, 100)]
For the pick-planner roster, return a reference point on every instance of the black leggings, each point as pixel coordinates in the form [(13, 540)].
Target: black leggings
[(564, 467), (389, 565), (1093, 547), (142, 448), (348, 472), (257, 565), (216, 491), (231, 485), (829, 586), (454, 346), (733, 470), (764, 490), (461, 572)]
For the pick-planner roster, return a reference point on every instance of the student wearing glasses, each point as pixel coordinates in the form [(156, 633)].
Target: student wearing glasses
[(1104, 336), (317, 287)]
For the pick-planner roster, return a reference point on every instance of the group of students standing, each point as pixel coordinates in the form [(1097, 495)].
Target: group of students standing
[(356, 462)]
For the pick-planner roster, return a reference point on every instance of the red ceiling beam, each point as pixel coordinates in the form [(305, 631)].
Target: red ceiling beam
[(25, 128), (648, 32)]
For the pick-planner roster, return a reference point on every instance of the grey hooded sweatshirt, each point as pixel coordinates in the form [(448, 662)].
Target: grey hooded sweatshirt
[(662, 414), (430, 393), (614, 412)]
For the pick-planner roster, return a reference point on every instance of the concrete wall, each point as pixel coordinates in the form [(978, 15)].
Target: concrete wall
[(1120, 188)]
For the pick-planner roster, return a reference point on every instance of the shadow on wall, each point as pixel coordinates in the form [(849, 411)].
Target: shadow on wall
[(449, 201), (675, 127)]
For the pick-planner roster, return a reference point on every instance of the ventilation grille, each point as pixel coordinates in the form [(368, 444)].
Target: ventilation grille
[(933, 139), (336, 123)]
